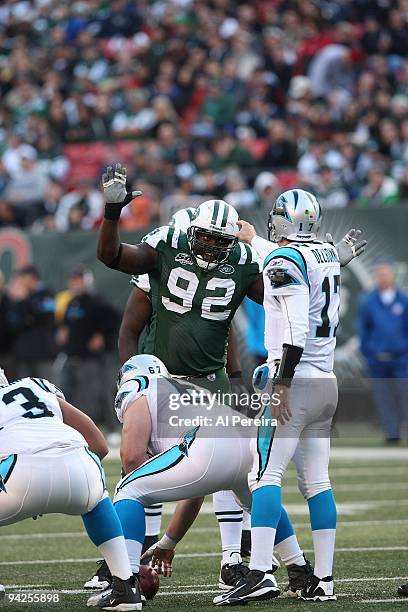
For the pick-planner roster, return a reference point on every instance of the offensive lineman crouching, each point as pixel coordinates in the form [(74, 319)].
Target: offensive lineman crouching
[(164, 463), (50, 462)]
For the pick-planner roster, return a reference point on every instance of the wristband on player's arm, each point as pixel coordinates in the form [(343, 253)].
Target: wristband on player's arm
[(113, 209), (290, 358), (167, 543)]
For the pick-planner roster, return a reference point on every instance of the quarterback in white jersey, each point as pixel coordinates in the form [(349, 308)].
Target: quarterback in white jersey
[(301, 300), (50, 462)]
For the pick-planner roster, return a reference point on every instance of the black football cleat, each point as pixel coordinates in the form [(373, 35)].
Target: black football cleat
[(256, 586), (101, 579), (298, 576), (122, 595), (403, 590), (232, 573), (318, 589)]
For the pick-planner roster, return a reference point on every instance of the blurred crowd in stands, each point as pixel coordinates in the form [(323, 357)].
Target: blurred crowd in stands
[(231, 98)]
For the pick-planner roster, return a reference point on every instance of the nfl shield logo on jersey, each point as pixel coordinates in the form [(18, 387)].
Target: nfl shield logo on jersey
[(185, 259)]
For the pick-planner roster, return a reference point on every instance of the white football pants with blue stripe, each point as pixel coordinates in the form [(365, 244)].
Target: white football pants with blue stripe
[(197, 467), (306, 440), (70, 481), (57, 480)]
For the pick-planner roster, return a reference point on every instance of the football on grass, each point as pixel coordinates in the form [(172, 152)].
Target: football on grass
[(149, 581)]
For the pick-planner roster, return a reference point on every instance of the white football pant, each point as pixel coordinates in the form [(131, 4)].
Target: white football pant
[(58, 480), (305, 438)]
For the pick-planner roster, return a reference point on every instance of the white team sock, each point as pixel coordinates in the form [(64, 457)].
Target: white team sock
[(153, 516), (229, 516), (246, 521), (262, 541), (323, 544), (134, 551), (115, 554), (290, 551)]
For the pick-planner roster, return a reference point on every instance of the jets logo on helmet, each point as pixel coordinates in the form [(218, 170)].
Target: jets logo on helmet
[(296, 215), (211, 234), (141, 365)]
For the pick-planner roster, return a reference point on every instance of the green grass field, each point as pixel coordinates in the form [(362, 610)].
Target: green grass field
[(371, 488)]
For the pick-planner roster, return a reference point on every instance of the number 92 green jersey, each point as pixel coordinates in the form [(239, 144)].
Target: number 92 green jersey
[(192, 308)]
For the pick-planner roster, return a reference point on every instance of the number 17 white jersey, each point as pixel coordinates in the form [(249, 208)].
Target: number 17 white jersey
[(310, 271)]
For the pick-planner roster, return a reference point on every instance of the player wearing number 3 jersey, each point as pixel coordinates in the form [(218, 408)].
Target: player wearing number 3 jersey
[(50, 462)]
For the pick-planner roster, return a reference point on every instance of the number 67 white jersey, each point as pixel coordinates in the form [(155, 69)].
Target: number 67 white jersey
[(311, 273)]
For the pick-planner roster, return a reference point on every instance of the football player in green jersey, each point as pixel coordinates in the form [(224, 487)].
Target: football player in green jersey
[(197, 281), (135, 318)]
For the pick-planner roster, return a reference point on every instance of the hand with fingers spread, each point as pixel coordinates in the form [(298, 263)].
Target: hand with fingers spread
[(247, 231), (160, 559), (116, 194), (349, 247)]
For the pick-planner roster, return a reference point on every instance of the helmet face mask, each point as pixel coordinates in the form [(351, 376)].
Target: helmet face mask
[(210, 248), (211, 234), (296, 216)]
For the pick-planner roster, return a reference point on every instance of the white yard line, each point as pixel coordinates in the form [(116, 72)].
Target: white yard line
[(374, 453), (301, 509), (306, 525), (163, 587), (363, 471), (400, 600), (201, 555), (41, 536), (213, 591), (346, 453), (26, 586)]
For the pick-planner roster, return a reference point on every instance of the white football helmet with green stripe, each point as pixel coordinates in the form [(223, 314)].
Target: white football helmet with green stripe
[(211, 234), (182, 218), (295, 215)]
